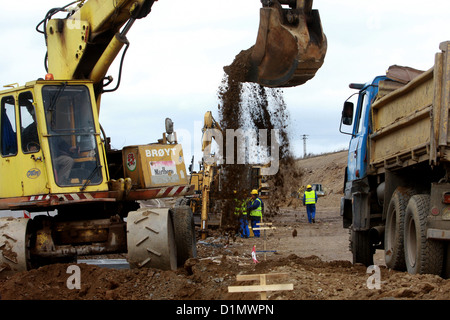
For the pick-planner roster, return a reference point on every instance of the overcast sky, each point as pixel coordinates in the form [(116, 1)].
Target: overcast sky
[(175, 62)]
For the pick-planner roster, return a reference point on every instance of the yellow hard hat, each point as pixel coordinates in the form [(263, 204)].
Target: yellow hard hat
[(254, 191), (308, 186)]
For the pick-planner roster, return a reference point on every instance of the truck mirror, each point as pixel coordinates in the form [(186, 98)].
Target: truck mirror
[(347, 113)]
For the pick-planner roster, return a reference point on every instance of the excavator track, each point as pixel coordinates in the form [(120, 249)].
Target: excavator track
[(150, 239)]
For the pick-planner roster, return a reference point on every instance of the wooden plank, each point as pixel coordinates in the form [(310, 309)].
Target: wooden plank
[(249, 277), (263, 283), (261, 288), (264, 226)]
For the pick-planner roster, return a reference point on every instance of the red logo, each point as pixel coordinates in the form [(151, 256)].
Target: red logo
[(131, 161)]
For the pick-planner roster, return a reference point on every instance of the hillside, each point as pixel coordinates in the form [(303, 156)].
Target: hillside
[(327, 169)]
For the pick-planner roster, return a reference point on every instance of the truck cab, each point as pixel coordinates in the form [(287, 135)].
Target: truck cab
[(356, 211), (359, 119)]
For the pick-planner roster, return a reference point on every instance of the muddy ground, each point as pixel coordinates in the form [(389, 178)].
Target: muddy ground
[(315, 258)]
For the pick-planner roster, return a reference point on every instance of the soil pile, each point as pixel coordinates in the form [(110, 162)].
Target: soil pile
[(240, 67), (219, 262)]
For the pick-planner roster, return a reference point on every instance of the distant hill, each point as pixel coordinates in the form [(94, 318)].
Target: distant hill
[(327, 169)]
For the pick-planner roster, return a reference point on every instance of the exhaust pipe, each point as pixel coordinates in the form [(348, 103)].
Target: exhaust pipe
[(376, 235)]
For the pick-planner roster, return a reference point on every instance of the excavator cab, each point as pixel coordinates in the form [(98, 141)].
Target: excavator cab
[(50, 139), (290, 46)]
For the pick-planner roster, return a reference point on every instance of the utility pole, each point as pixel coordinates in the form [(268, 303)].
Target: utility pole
[(304, 145)]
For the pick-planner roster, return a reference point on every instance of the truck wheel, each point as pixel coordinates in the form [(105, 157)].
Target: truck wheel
[(361, 247), (393, 237), (422, 255), (184, 229), (150, 239)]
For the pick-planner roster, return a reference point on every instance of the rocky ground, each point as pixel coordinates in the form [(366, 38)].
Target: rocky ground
[(314, 257)]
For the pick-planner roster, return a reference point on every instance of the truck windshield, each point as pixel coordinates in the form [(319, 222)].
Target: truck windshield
[(71, 134)]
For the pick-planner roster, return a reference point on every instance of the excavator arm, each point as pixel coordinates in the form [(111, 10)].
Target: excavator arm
[(290, 46), (208, 168), (209, 123), (84, 44)]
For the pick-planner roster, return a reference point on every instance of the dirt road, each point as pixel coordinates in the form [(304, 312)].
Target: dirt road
[(314, 256)]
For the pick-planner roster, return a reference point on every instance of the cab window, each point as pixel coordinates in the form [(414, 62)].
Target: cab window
[(8, 127), (28, 125), (71, 135)]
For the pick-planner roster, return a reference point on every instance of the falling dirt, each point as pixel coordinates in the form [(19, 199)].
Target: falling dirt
[(249, 106)]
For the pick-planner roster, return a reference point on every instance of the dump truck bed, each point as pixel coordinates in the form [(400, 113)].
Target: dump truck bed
[(410, 124)]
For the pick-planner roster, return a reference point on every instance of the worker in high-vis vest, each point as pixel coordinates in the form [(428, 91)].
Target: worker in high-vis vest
[(255, 208), (310, 200), (240, 211)]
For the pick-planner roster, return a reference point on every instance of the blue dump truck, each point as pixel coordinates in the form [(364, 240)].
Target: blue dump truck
[(397, 180)]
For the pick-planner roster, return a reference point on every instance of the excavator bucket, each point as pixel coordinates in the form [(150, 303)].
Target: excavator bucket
[(289, 49)]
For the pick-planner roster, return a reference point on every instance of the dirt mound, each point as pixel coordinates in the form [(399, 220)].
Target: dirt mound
[(208, 279), (327, 169)]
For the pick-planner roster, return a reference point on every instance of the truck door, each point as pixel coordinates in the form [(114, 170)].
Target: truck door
[(357, 156)]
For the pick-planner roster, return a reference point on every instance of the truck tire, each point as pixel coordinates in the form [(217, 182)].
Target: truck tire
[(150, 239), (184, 230), (422, 255), (394, 253), (361, 247)]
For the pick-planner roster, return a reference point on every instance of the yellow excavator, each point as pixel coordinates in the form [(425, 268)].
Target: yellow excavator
[(55, 156), (209, 194)]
